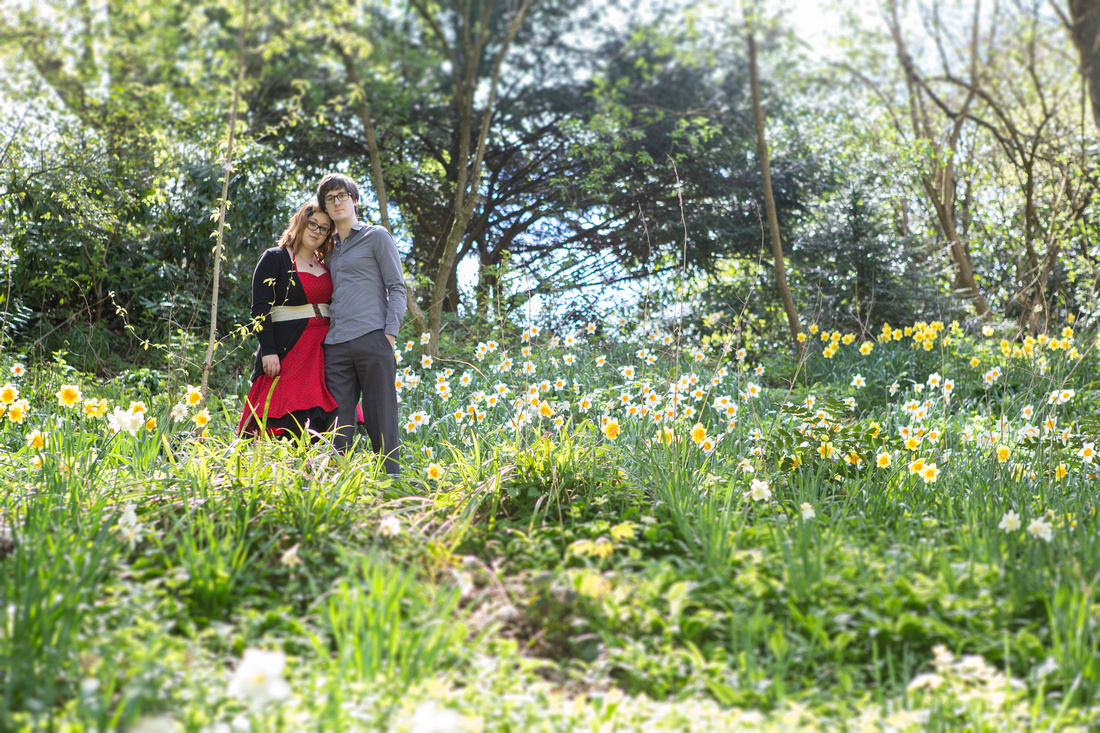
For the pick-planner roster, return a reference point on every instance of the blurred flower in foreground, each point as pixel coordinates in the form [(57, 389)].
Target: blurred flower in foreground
[(1010, 522), (759, 490), (258, 679), (128, 527), (36, 439), (390, 526), (1040, 529)]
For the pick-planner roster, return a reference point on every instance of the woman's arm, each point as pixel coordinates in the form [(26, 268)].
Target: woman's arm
[(265, 296)]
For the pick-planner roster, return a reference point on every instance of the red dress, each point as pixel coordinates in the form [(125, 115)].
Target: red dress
[(299, 393)]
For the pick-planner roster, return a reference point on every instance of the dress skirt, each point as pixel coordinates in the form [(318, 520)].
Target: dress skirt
[(298, 396)]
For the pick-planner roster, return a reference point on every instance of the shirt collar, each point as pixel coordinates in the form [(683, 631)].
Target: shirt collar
[(336, 241)]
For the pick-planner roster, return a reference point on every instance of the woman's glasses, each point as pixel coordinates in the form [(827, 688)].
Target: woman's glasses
[(315, 227)]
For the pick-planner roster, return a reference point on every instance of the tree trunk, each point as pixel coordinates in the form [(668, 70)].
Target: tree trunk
[(940, 184), (467, 81), (227, 170), (359, 95), (1085, 30), (766, 180)]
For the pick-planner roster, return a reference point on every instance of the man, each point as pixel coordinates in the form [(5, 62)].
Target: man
[(368, 303)]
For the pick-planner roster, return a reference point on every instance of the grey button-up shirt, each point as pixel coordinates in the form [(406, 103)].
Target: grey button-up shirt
[(368, 289)]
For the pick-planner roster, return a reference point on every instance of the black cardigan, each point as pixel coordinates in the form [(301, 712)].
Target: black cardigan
[(276, 282)]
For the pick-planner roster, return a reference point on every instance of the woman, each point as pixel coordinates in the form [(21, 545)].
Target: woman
[(291, 289)]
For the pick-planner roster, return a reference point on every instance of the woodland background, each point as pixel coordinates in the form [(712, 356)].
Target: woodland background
[(928, 159)]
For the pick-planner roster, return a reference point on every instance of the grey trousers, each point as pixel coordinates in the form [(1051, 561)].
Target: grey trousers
[(364, 370)]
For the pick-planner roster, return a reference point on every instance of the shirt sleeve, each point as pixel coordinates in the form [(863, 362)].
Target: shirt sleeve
[(264, 280), (393, 280)]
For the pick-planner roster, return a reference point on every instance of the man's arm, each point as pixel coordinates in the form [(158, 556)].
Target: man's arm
[(393, 280)]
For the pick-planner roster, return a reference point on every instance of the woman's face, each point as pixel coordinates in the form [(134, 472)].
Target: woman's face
[(316, 231)]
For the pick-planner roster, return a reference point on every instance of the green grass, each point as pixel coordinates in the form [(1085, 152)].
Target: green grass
[(773, 553)]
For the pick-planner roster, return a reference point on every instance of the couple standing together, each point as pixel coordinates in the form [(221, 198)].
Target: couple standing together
[(328, 303)]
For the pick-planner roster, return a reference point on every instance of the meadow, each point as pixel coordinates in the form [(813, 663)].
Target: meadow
[(618, 528)]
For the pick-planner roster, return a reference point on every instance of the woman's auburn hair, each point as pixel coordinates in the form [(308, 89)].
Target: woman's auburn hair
[(292, 236)]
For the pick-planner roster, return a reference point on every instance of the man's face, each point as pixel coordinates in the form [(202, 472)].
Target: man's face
[(339, 204)]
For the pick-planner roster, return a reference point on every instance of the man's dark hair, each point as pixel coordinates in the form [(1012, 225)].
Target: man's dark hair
[(336, 182)]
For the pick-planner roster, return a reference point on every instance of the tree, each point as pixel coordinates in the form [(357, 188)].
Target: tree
[(766, 182), (939, 182)]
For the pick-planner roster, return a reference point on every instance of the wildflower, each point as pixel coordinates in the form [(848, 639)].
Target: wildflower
[(8, 394), (95, 408), (708, 445), (866, 347), (884, 459), (425, 338), (801, 336), (36, 439), (1061, 471), (290, 558), (258, 679), (18, 410), (36, 462), (390, 526), (1087, 452), (807, 510), (930, 473), (698, 433), (138, 408), (759, 490), (1027, 412), (826, 450), (201, 419), (1010, 522), (425, 362), (194, 395), (858, 382), (611, 429), (1039, 528), (179, 412), (916, 466), (1002, 454), (151, 424), (666, 436), (18, 370)]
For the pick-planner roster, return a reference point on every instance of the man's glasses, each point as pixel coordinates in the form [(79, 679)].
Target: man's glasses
[(341, 197), (315, 227)]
